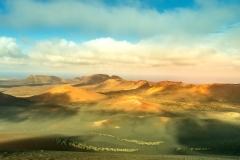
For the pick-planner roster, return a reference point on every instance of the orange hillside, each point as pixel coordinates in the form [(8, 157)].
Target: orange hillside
[(134, 104), (64, 94)]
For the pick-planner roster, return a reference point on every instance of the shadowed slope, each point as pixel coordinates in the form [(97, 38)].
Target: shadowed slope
[(19, 109), (196, 97), (33, 80), (225, 92), (93, 79), (43, 79), (6, 100), (206, 92), (118, 85)]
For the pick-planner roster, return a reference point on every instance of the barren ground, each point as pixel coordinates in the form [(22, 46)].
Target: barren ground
[(146, 123)]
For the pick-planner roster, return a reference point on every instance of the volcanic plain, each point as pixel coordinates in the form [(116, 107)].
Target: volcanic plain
[(113, 118)]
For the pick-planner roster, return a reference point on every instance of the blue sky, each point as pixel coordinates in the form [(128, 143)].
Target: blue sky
[(189, 40), (74, 33)]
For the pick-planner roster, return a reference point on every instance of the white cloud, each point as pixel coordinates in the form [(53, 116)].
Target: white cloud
[(154, 52), (9, 48), (123, 54), (159, 55), (118, 20), (94, 52), (11, 54)]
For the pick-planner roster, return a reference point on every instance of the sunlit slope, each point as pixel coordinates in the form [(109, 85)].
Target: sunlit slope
[(197, 97), (134, 104), (190, 92), (179, 92), (65, 94)]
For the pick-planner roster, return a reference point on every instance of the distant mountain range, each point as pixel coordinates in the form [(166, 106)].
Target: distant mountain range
[(113, 91), (118, 85), (93, 79), (47, 79), (105, 84), (43, 79)]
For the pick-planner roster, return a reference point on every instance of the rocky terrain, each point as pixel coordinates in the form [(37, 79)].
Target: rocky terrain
[(112, 118)]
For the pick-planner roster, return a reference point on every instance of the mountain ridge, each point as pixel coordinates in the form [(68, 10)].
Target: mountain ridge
[(43, 79), (93, 79)]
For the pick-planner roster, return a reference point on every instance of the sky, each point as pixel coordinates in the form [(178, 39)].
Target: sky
[(193, 41)]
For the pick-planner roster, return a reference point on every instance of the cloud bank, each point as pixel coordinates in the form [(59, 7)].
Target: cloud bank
[(9, 48), (155, 55)]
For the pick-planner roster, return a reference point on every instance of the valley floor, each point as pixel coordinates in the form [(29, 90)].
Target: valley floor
[(63, 155)]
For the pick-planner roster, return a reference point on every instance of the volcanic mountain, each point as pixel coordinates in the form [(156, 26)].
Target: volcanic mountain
[(93, 79), (33, 80), (43, 79), (65, 94), (118, 85)]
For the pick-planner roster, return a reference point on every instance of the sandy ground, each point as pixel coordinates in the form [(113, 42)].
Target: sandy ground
[(62, 155)]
